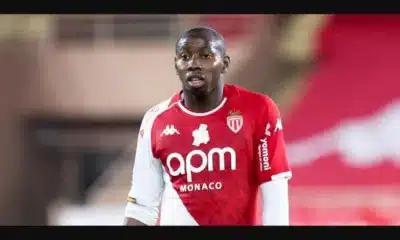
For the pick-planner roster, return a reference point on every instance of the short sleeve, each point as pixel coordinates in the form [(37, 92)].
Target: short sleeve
[(272, 162)]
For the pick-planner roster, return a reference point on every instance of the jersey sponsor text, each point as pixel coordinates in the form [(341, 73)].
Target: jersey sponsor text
[(263, 155), (186, 166), (194, 187)]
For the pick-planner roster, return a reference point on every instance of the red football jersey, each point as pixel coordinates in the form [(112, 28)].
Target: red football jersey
[(205, 168)]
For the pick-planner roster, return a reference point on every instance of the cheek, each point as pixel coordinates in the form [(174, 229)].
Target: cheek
[(213, 65), (219, 64), (218, 67), (180, 67)]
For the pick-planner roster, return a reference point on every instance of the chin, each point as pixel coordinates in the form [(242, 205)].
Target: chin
[(199, 91)]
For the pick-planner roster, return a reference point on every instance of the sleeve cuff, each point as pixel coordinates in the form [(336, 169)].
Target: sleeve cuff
[(146, 215)]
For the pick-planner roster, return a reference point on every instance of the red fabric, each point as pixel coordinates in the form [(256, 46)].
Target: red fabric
[(357, 76), (217, 160)]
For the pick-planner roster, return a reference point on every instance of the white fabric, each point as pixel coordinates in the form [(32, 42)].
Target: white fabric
[(275, 195), (147, 174), (144, 214)]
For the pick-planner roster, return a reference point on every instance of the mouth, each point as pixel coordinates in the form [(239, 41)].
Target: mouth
[(196, 81)]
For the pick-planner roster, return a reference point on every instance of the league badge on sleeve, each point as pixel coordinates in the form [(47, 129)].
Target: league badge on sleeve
[(141, 133), (234, 121)]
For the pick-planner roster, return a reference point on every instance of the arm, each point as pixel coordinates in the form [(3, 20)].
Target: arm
[(275, 195), (273, 168), (145, 195)]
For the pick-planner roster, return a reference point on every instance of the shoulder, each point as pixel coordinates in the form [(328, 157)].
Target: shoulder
[(255, 99), (157, 110)]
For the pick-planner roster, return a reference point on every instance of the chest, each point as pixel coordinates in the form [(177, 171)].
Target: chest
[(219, 142)]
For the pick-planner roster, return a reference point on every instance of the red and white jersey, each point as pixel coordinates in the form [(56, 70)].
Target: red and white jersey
[(205, 168)]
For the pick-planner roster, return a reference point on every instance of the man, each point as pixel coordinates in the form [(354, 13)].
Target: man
[(204, 154)]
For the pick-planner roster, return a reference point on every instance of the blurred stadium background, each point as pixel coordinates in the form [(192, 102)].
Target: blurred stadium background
[(73, 89)]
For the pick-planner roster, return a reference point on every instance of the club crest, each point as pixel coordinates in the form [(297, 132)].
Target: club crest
[(234, 121)]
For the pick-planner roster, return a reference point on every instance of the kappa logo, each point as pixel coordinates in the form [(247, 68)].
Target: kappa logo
[(278, 127), (169, 130), (234, 121), (268, 130)]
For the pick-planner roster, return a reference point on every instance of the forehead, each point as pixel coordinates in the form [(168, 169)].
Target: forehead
[(195, 44)]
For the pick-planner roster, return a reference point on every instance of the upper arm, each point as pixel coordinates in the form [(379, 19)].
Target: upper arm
[(145, 195), (275, 209), (272, 162)]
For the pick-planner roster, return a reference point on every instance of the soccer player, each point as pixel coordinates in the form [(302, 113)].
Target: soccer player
[(206, 155)]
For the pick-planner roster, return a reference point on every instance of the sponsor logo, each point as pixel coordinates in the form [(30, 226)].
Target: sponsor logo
[(169, 130), (226, 160), (195, 187), (263, 155)]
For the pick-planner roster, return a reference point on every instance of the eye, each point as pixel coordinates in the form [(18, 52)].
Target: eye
[(207, 56), (184, 57)]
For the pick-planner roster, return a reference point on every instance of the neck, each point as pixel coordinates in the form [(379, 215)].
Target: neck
[(203, 102)]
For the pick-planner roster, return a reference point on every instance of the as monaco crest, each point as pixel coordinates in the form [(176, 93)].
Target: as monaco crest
[(234, 121)]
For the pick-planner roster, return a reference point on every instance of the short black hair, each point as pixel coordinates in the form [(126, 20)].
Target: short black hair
[(211, 33)]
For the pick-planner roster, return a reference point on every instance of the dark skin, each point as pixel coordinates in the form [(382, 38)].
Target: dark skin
[(200, 53), (200, 62)]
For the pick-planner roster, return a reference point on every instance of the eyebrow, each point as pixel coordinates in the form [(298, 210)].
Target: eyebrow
[(206, 50)]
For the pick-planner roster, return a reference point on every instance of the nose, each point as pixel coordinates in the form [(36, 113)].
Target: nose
[(194, 65)]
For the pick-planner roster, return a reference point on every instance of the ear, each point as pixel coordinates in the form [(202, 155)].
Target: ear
[(226, 61), (176, 68)]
